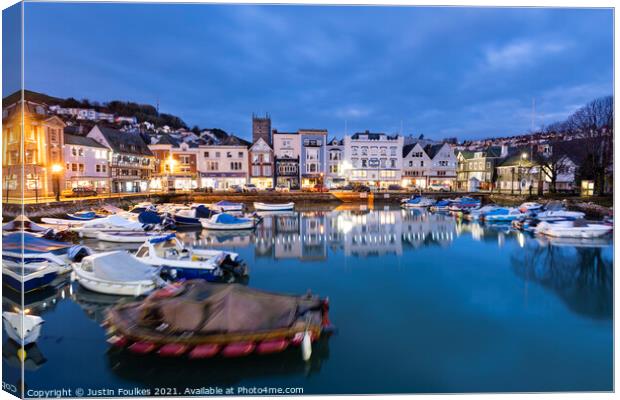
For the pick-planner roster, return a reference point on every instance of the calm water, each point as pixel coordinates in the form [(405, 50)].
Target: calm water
[(423, 303)]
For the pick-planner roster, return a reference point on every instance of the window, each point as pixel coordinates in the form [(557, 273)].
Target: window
[(74, 167), (364, 150), (411, 163), (81, 167), (73, 151), (267, 170), (206, 154), (393, 151), (68, 166), (217, 154), (364, 163), (240, 154), (235, 165), (422, 163), (443, 163), (81, 152), (212, 166), (185, 159), (393, 163), (354, 150), (104, 168), (97, 168)]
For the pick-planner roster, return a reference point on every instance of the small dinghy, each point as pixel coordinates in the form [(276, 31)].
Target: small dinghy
[(82, 216), (464, 203), (62, 223), (200, 320), (180, 262), (556, 211), (417, 201), (117, 273), (224, 206), (274, 206), (112, 223), (441, 205), (30, 262), (129, 237), (502, 214), (228, 222), (14, 322), (23, 223), (478, 214), (573, 229)]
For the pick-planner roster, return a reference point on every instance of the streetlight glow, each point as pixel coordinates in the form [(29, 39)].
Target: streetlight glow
[(56, 168)]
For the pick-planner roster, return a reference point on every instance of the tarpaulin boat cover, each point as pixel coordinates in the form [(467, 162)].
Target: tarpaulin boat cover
[(226, 203), (23, 223), (32, 244), (149, 217), (120, 266), (209, 308), (113, 220), (203, 212), (228, 219)]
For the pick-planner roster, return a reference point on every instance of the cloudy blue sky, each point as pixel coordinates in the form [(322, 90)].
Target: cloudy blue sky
[(465, 72)]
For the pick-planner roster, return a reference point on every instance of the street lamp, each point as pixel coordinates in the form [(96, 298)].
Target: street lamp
[(56, 170)]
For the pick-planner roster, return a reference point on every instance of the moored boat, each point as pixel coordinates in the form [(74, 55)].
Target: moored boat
[(464, 203), (22, 328), (226, 221), (502, 214), (417, 201), (82, 216), (573, 229), (180, 262), (478, 213), (192, 217), (224, 206), (117, 273), (129, 237), (274, 206), (530, 206), (112, 223), (197, 319), (23, 223), (441, 205)]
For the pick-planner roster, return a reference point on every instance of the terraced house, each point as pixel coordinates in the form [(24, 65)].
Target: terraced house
[(176, 164), (375, 158), (313, 145), (224, 164), (132, 163), (476, 169), (38, 169), (87, 164)]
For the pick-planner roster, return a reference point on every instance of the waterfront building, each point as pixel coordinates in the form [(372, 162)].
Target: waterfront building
[(86, 163), (224, 164), (442, 167), (176, 164), (520, 173), (335, 174), (312, 165), (261, 164), (375, 158), (132, 163), (286, 150), (37, 169), (476, 169), (416, 163), (261, 128)]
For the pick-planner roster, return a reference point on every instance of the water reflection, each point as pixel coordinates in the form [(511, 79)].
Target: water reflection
[(582, 276)]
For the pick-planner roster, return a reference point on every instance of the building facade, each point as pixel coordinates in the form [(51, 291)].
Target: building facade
[(286, 150), (476, 169), (42, 158), (223, 165), (86, 164), (335, 168), (132, 163), (375, 158), (312, 157), (443, 164), (261, 164), (416, 163), (176, 165)]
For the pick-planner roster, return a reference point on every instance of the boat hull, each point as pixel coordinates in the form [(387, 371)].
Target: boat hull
[(274, 207), (31, 282), (228, 227)]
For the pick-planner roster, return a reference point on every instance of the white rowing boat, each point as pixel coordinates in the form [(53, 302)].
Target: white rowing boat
[(274, 206)]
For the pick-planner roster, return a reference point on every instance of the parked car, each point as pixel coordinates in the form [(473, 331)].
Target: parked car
[(250, 187), (320, 188), (395, 187), (282, 188), (235, 189), (83, 191), (439, 187), (346, 187), (361, 188)]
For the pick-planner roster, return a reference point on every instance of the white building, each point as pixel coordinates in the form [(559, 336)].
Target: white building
[(335, 160), (223, 165), (442, 169), (87, 163), (373, 159), (415, 165)]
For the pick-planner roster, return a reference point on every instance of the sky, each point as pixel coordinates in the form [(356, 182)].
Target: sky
[(442, 72)]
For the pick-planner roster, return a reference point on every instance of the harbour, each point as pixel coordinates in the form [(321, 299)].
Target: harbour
[(425, 295)]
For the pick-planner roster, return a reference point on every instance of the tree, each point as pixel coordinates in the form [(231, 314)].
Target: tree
[(553, 165), (597, 114)]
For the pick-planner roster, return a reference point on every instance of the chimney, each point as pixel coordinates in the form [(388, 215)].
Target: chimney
[(504, 151)]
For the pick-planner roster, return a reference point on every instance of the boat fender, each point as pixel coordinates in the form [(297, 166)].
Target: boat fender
[(306, 346), (204, 351), (272, 346), (238, 349), (172, 350), (142, 347)]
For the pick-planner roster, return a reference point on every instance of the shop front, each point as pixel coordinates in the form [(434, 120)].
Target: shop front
[(262, 182), (222, 180)]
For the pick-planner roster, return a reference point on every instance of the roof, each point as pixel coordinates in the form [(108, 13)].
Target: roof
[(407, 148), (372, 135), (432, 149), (233, 140), (167, 139), (515, 158), (116, 138), (82, 141)]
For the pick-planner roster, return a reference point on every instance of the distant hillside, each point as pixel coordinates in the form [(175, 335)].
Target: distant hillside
[(143, 112)]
